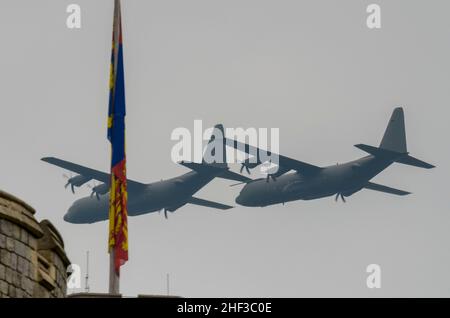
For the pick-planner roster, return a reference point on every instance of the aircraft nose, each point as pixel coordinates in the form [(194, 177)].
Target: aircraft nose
[(238, 200), (241, 200), (245, 197), (68, 217)]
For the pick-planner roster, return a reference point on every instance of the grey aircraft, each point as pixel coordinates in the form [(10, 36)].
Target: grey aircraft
[(167, 195), (342, 180)]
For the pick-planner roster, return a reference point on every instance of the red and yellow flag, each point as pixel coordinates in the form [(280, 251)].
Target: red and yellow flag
[(118, 224)]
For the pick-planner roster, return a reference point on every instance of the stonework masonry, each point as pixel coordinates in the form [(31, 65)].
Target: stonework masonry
[(33, 262)]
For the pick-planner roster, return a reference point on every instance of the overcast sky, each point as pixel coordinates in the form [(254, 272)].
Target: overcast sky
[(311, 68)]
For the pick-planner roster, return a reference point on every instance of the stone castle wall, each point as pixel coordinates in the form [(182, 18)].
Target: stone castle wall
[(32, 258)]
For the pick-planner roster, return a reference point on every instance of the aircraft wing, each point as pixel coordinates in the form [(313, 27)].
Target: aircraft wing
[(88, 172), (209, 204), (223, 173), (386, 189), (285, 163), (230, 175)]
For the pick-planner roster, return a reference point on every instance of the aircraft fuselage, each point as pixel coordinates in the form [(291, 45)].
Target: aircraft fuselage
[(168, 194), (344, 179)]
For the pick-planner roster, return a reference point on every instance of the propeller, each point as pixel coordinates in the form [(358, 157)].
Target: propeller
[(99, 189), (243, 165), (93, 191), (69, 182), (165, 212), (271, 175), (339, 195), (247, 164)]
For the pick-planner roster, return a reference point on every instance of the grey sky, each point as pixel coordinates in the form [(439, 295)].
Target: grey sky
[(311, 68)]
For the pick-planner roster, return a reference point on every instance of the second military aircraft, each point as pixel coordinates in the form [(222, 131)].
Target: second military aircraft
[(310, 182)]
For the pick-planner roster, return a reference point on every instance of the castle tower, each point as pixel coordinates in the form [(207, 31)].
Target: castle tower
[(33, 262)]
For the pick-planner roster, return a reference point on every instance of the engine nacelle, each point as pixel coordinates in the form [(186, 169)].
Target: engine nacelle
[(348, 193), (101, 189), (78, 181)]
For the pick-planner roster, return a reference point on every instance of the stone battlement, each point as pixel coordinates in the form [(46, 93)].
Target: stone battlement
[(32, 258)]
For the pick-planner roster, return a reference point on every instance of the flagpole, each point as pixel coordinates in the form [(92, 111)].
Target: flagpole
[(114, 276)]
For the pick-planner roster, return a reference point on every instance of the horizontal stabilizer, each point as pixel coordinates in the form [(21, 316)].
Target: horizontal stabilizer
[(219, 172), (386, 189), (403, 158), (230, 175), (379, 152), (411, 161), (209, 204)]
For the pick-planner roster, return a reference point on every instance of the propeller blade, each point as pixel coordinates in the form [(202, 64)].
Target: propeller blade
[(245, 165), (343, 198), (270, 176), (65, 176), (73, 189), (165, 214), (336, 197), (97, 196)]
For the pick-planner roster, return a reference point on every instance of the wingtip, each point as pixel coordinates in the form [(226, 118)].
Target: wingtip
[(427, 165)]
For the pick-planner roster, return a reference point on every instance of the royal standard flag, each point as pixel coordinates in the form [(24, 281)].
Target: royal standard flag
[(118, 224)]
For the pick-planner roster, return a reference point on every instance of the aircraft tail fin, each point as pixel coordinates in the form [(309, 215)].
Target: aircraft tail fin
[(393, 145), (215, 154), (394, 138), (215, 158)]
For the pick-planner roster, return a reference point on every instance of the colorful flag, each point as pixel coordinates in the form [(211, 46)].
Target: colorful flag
[(118, 224)]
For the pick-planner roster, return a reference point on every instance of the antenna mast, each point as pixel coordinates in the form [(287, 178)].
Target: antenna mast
[(167, 284), (86, 288)]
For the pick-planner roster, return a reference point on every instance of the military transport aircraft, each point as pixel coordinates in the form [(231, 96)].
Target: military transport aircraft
[(167, 195), (313, 182)]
